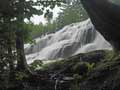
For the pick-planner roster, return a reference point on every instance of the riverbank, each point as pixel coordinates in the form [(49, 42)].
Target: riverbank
[(97, 70)]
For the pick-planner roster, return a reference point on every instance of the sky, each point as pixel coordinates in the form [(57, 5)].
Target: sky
[(40, 19)]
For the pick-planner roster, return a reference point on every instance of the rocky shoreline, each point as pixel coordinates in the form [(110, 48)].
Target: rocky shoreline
[(97, 70)]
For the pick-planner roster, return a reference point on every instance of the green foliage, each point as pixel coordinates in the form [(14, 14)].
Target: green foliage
[(116, 1), (31, 30), (109, 55), (80, 68), (55, 65), (71, 13), (36, 64), (12, 15), (90, 66), (34, 31), (76, 67), (21, 75)]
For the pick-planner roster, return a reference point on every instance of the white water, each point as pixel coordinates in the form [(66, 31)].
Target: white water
[(72, 39)]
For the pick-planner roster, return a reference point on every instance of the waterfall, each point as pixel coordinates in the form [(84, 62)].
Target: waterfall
[(75, 38)]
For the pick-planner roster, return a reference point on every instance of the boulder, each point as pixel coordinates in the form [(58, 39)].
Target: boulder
[(105, 15)]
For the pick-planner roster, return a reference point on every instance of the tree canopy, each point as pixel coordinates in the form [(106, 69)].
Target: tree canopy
[(12, 30)]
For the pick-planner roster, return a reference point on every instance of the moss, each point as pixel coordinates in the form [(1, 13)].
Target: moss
[(109, 55), (81, 63), (36, 64), (53, 65)]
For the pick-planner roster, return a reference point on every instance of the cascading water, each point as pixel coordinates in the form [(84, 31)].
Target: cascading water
[(72, 39)]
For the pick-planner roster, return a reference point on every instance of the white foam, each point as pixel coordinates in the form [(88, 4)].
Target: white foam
[(75, 38)]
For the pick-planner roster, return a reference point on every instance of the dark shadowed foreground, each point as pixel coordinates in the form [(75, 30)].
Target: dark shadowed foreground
[(97, 70)]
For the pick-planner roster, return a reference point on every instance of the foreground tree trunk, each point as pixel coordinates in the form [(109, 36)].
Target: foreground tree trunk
[(11, 60), (105, 16), (21, 60)]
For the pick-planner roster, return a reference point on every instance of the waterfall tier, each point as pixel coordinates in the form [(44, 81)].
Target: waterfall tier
[(72, 39)]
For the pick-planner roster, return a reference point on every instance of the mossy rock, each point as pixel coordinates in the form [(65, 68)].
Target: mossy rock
[(80, 68), (106, 76)]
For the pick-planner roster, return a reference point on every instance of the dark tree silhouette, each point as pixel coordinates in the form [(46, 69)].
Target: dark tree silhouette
[(105, 16)]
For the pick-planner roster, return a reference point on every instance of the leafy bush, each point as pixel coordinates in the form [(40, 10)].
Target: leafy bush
[(21, 75), (90, 66), (36, 64)]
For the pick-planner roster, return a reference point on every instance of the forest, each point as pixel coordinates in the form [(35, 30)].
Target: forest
[(77, 50)]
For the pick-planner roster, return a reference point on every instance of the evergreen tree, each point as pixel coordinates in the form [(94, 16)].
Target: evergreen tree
[(12, 15), (72, 12)]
